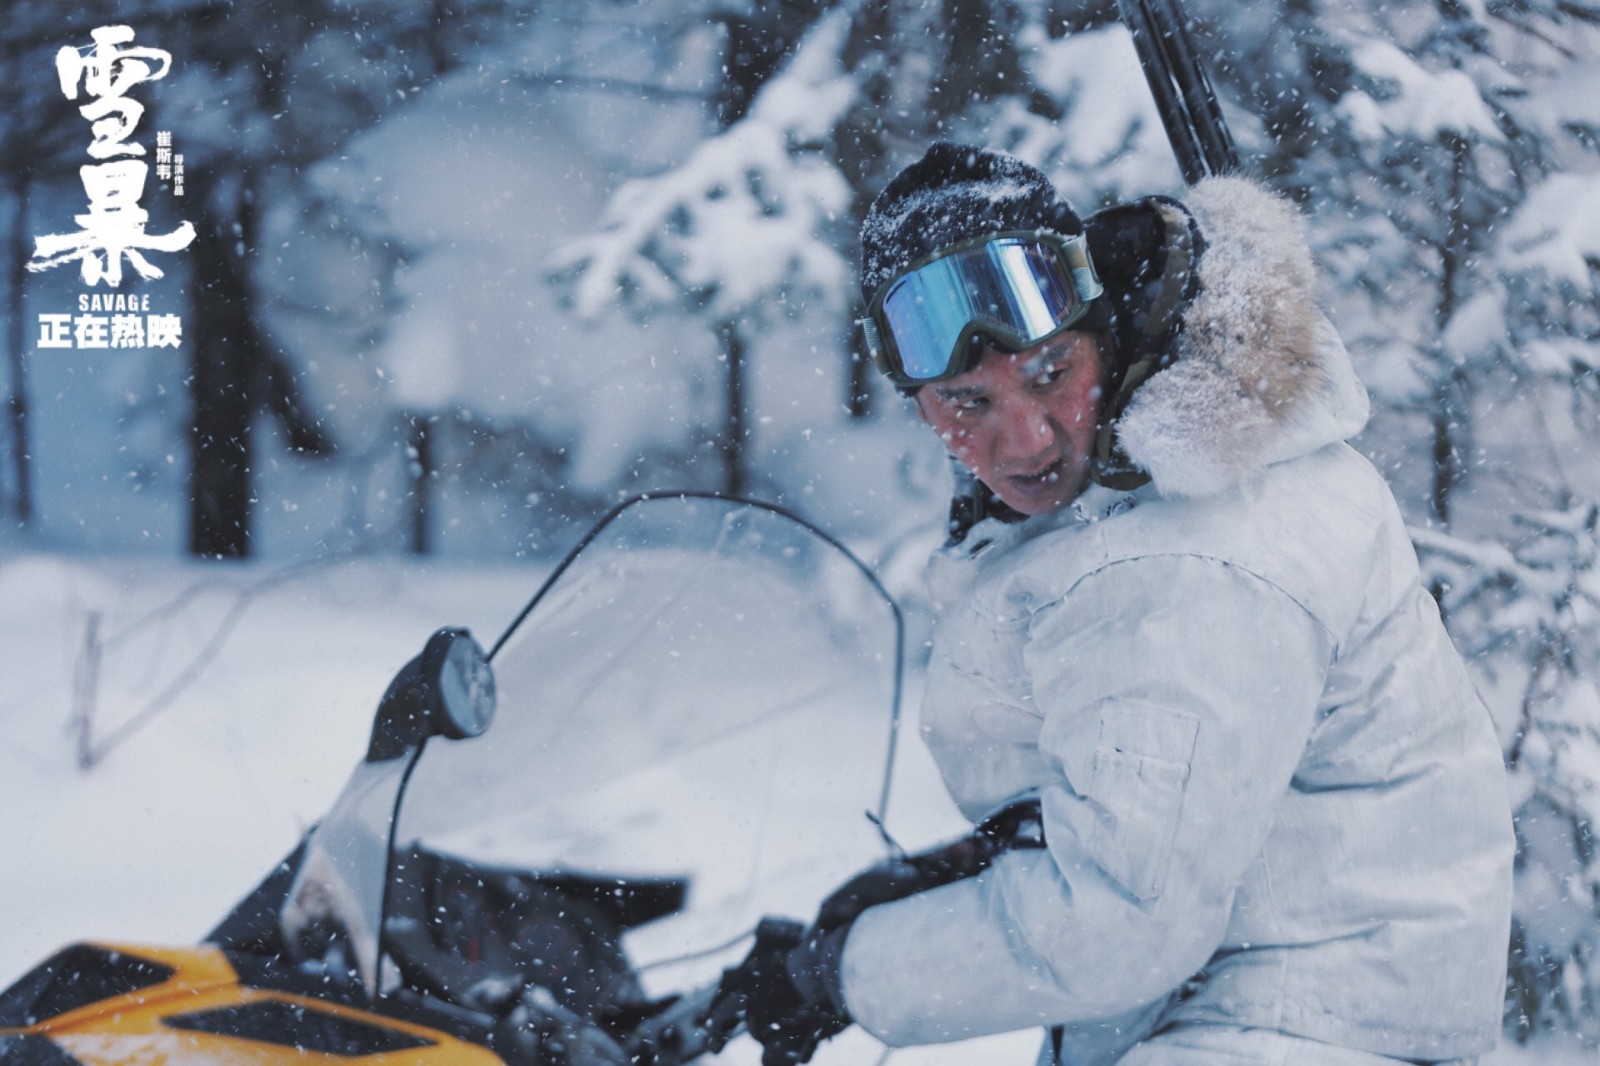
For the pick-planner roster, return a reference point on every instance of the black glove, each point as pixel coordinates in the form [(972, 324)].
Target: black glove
[(1019, 825), (895, 879), (787, 990), (793, 999)]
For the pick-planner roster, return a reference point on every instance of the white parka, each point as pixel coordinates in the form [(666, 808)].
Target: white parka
[(1271, 796)]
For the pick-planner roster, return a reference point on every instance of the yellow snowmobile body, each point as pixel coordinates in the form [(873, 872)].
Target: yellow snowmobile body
[(128, 1005)]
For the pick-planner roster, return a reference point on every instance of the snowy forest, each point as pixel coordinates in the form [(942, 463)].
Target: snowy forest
[(465, 273)]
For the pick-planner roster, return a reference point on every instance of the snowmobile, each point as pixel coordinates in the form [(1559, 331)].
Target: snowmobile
[(550, 850)]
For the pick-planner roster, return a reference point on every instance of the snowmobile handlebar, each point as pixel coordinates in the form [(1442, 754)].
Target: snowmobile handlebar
[(705, 1020), (683, 1031)]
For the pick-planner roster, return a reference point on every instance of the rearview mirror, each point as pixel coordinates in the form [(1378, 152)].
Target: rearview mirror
[(447, 691), (462, 685)]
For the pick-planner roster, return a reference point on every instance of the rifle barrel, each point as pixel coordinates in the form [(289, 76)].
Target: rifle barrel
[(1183, 94), (1201, 98)]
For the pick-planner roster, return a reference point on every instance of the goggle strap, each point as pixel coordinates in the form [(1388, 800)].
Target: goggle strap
[(1076, 250), (1110, 466), (869, 332), (1088, 287)]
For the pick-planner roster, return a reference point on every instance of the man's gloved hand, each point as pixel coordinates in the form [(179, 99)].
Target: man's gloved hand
[(789, 987), (794, 1000), (787, 990)]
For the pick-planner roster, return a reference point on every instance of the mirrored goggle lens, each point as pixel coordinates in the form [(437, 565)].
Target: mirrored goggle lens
[(1023, 287)]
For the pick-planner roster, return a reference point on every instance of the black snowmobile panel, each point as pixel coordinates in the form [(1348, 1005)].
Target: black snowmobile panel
[(476, 934), (76, 977), (298, 1026), (252, 926), (28, 1050)]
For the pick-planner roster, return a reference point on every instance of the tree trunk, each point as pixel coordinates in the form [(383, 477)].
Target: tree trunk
[(225, 369), (858, 402), (16, 341), (755, 46), (734, 426), (1449, 423), (982, 62), (1451, 391), (421, 464)]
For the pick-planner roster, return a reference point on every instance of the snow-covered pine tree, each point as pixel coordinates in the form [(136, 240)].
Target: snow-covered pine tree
[(1447, 152), (1528, 618), (742, 233)]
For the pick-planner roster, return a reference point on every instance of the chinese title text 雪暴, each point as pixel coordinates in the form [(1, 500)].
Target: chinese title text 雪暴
[(113, 228)]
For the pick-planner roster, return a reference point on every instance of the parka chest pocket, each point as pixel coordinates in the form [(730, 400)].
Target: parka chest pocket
[(1137, 776)]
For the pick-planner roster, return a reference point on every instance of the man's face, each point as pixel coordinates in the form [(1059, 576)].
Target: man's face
[(1023, 422)]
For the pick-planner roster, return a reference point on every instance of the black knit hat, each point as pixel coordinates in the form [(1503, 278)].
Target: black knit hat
[(953, 193)]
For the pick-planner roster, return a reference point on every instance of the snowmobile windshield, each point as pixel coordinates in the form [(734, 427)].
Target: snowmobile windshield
[(706, 692)]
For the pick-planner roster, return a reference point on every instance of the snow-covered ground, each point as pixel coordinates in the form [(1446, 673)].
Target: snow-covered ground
[(180, 818)]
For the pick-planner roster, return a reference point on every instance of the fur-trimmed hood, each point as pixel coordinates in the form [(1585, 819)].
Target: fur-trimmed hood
[(1257, 374)]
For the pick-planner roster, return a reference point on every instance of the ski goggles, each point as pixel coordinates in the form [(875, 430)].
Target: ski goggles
[(1015, 287)]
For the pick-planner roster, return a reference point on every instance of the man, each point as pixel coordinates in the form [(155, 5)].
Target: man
[(1184, 618)]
